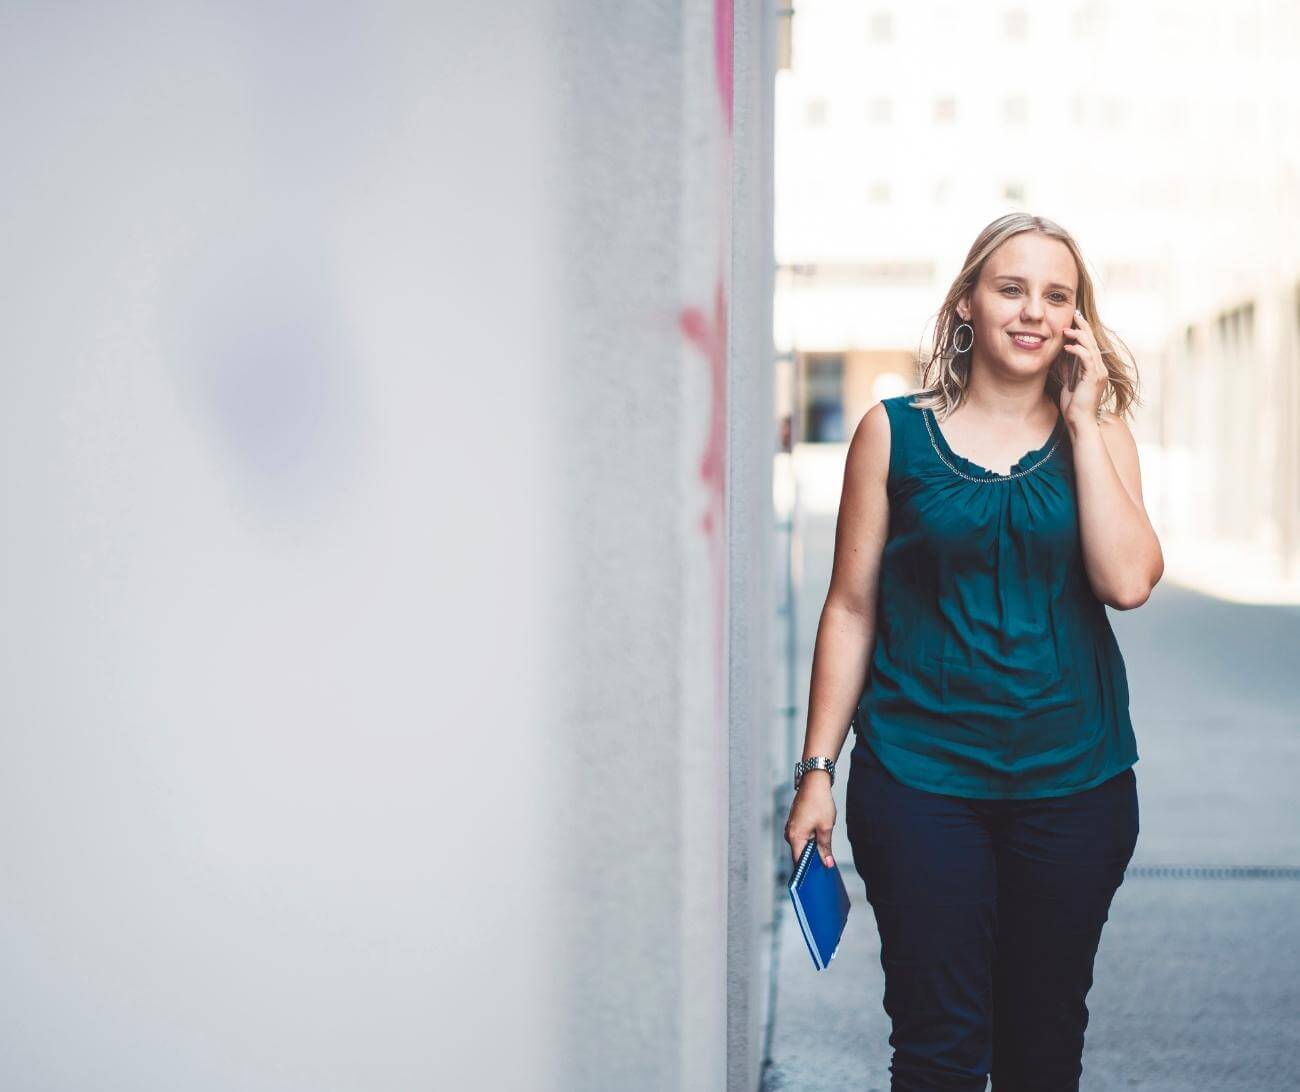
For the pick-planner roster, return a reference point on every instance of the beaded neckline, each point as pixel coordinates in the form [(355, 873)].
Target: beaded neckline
[(941, 446)]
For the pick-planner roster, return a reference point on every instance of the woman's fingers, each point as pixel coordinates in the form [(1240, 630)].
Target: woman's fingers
[(796, 844), (824, 847), (813, 821), (822, 836)]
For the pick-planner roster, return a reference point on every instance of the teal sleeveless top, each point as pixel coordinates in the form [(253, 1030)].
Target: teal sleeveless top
[(995, 672)]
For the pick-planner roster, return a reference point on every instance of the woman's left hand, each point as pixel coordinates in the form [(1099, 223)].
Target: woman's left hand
[(1080, 405)]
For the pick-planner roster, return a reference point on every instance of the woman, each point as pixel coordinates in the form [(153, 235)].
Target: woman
[(991, 805)]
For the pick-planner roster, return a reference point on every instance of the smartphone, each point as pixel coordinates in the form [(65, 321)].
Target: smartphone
[(1068, 365)]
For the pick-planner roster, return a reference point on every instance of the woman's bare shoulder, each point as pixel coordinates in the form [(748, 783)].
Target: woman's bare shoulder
[(863, 521), (869, 448)]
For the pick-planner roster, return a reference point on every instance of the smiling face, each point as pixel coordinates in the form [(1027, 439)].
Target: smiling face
[(1027, 286)]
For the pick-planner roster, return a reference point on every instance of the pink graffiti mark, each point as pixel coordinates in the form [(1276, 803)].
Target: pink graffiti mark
[(723, 50), (708, 333)]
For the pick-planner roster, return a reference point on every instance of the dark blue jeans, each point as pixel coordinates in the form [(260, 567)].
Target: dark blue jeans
[(990, 913)]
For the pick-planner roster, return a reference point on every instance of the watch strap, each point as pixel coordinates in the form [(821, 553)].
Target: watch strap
[(817, 762)]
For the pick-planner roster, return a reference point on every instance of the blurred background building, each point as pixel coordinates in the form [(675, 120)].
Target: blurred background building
[(1165, 137)]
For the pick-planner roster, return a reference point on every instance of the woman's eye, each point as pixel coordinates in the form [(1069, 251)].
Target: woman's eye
[(1057, 296)]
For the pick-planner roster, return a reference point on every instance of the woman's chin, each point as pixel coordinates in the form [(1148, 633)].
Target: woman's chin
[(1024, 369)]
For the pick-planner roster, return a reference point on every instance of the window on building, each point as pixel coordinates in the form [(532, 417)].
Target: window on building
[(823, 398), (1131, 276), (784, 31), (1236, 328), (1088, 21)]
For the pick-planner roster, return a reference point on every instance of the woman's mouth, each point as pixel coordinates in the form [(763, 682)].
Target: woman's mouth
[(1027, 342)]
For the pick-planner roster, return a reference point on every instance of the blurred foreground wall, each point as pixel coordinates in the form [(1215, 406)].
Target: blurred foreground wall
[(383, 584)]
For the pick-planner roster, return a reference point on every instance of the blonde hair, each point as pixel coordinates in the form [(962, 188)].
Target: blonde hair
[(945, 374)]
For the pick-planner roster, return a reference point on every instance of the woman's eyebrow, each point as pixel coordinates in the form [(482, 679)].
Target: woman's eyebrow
[(1021, 280)]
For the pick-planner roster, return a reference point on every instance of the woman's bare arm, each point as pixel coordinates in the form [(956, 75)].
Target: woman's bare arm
[(846, 632), (1121, 552)]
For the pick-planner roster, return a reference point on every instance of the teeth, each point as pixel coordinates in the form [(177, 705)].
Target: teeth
[(1022, 337)]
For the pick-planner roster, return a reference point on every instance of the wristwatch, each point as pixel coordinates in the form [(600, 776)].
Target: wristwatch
[(817, 762)]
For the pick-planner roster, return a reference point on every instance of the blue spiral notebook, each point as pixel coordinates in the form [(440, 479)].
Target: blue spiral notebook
[(821, 903)]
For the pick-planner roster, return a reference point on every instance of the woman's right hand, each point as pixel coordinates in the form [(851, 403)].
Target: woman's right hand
[(812, 815)]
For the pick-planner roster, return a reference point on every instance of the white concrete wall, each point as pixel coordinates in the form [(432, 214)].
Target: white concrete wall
[(384, 512), (273, 645), (756, 687), (667, 419)]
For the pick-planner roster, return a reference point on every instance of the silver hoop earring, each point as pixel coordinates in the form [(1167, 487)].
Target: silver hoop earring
[(963, 326)]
